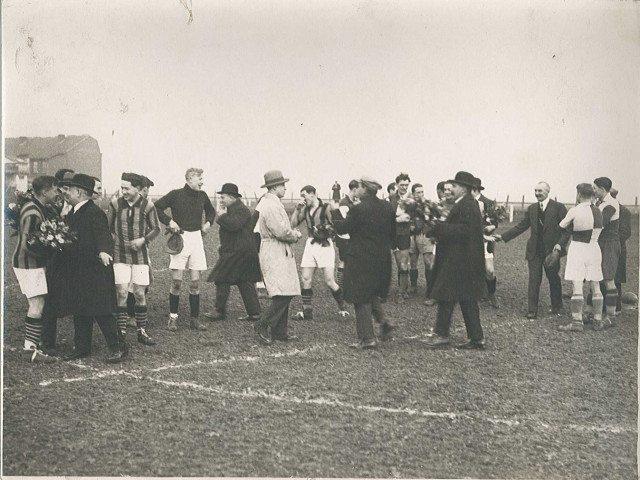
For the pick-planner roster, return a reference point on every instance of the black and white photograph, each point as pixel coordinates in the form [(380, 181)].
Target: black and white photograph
[(322, 239)]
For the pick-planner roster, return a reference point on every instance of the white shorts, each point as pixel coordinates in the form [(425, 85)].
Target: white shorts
[(421, 244), (192, 256), (32, 281), (315, 255), (486, 250), (584, 262), (126, 274)]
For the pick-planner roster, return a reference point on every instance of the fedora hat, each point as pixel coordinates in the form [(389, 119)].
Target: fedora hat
[(463, 178), (175, 244), (230, 189), (477, 184), (82, 181), (66, 179), (272, 178)]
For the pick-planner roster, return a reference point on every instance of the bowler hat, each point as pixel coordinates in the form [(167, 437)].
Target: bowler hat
[(273, 178), (175, 243), (477, 184), (230, 189), (82, 181), (463, 178)]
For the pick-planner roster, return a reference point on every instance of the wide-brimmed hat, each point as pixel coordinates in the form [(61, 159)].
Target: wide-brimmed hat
[(272, 178), (175, 243), (83, 181), (463, 178), (477, 184), (230, 189)]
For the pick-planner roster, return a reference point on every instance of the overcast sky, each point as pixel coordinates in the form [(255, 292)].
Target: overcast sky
[(514, 92)]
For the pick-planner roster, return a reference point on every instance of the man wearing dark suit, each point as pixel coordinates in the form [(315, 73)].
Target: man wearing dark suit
[(91, 273), (624, 232), (371, 225), (459, 273), (542, 219)]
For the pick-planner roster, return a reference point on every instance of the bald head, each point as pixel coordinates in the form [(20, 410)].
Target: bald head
[(542, 191)]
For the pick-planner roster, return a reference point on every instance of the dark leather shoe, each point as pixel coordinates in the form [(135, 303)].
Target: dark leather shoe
[(532, 315), (262, 333), (287, 338), (215, 316), (436, 341), (387, 333), (118, 356), (75, 356), (472, 345), (250, 318), (144, 338), (196, 325), (365, 344)]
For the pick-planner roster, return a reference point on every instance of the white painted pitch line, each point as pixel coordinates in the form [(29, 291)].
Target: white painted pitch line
[(110, 373)]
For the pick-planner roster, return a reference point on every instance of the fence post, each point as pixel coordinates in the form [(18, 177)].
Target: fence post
[(522, 201), (507, 202), (636, 201), (511, 210)]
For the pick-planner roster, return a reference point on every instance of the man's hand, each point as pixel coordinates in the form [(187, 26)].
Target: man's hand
[(403, 218), (105, 258), (173, 226), (137, 244), (301, 204), (497, 238), (205, 228), (557, 248)]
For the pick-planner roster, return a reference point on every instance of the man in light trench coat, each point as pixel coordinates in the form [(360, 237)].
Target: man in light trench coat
[(277, 261)]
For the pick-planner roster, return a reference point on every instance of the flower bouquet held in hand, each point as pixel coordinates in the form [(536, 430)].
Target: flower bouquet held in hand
[(424, 214), (52, 235), (492, 216), (12, 212), (322, 233)]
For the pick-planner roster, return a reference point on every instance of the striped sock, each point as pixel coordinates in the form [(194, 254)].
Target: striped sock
[(307, 293), (141, 317), (610, 302), (174, 301), (121, 319), (340, 276), (33, 331)]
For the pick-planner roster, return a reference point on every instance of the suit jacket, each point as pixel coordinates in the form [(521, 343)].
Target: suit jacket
[(459, 272), (371, 225), (624, 232), (238, 256), (92, 283), (551, 232)]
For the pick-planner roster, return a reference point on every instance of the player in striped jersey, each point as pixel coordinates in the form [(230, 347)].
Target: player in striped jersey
[(584, 223), (609, 242), (29, 265), (133, 221)]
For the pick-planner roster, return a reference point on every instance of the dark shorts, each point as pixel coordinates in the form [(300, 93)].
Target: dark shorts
[(610, 258), (342, 244), (402, 242)]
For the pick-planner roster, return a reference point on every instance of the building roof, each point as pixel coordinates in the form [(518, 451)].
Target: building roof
[(47, 147)]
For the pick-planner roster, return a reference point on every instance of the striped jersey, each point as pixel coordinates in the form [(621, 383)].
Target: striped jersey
[(31, 216), (586, 222), (130, 222), (610, 209)]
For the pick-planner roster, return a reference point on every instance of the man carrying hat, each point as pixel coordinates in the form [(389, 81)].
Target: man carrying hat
[(485, 205), (187, 205), (277, 260), (91, 273), (371, 225), (459, 274), (238, 262), (133, 222)]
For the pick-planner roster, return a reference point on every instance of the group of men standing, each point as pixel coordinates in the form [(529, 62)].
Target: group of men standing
[(105, 275)]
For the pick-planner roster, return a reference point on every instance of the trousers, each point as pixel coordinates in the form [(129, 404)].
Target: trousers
[(470, 313), (277, 316), (535, 279), (247, 291), (83, 332), (365, 313)]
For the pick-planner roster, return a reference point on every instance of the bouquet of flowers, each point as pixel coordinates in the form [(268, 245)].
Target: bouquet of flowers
[(493, 215), (322, 233), (12, 212), (424, 213), (53, 234)]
